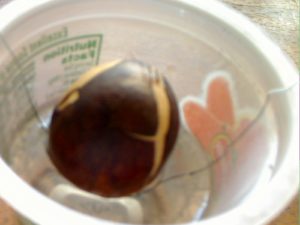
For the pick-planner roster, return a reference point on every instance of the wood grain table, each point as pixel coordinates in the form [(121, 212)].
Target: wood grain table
[(280, 19)]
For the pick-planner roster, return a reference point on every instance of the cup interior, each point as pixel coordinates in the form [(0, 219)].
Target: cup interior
[(234, 129)]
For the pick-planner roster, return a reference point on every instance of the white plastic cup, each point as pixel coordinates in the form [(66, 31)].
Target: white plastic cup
[(193, 43)]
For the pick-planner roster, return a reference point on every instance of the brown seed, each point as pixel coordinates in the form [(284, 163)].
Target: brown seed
[(114, 129), (7, 215)]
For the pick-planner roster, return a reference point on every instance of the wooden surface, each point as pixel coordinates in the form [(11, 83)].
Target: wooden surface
[(280, 19)]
